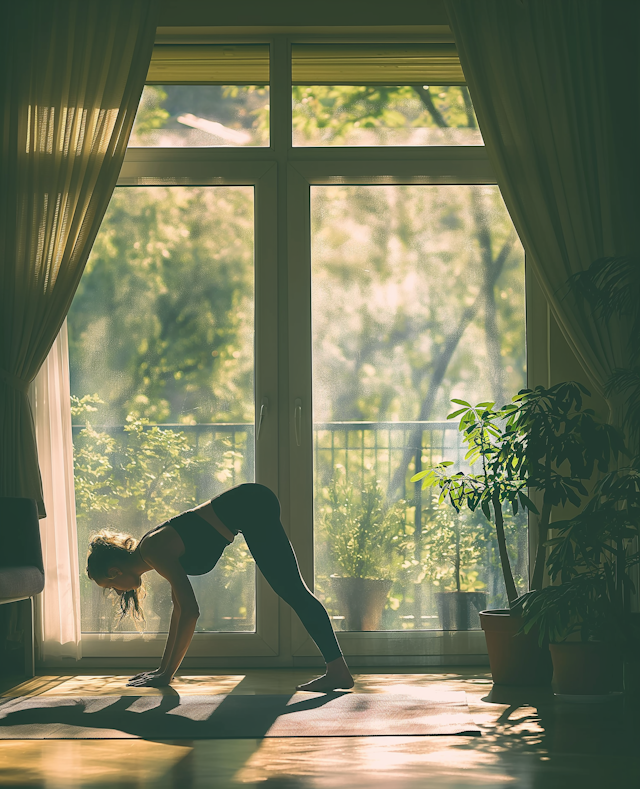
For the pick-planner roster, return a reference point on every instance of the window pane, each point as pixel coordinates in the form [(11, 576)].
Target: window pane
[(383, 115), (417, 298), (175, 116), (161, 353)]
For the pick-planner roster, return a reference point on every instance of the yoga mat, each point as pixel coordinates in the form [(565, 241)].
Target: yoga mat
[(174, 717)]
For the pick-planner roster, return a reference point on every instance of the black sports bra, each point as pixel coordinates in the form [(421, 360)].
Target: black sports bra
[(203, 544)]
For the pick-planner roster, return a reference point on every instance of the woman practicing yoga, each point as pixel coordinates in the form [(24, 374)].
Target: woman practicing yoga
[(191, 544)]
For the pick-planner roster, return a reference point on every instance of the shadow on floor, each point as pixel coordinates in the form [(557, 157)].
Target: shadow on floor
[(155, 717)]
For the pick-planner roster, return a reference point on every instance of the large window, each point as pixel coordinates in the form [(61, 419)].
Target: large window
[(161, 335), (297, 272)]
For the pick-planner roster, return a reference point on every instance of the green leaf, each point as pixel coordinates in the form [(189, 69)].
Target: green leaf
[(526, 502)]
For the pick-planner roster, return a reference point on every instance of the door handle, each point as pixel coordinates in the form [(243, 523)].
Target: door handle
[(297, 419), (264, 405)]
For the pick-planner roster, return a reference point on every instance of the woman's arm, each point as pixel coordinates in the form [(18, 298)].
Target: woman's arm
[(183, 618), (186, 624), (168, 649), (171, 638)]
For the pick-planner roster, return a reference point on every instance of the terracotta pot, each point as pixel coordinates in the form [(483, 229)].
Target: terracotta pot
[(514, 659), (459, 610), (589, 668), (362, 600)]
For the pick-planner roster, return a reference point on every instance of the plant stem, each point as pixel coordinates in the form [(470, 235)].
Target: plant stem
[(457, 560), (541, 552), (512, 592), (545, 516)]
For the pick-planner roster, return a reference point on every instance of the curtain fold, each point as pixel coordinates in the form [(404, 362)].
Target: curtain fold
[(72, 75), (555, 86), (58, 622)]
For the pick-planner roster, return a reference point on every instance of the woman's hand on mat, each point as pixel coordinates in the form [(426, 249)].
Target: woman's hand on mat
[(153, 679), (144, 674)]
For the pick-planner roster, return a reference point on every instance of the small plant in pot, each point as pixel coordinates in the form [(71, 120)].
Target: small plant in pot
[(451, 555), (365, 541), (586, 615), (544, 444)]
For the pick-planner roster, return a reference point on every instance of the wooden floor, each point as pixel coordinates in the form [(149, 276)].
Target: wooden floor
[(529, 740)]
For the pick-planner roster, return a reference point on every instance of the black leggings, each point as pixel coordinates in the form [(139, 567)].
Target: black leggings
[(254, 510)]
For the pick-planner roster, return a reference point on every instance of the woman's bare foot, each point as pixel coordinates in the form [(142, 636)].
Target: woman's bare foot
[(337, 677)]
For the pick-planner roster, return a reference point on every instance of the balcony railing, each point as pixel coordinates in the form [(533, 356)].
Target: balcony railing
[(378, 448), (391, 452)]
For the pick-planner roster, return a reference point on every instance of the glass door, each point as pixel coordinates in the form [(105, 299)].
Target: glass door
[(291, 283), (417, 298), (165, 390), (161, 335)]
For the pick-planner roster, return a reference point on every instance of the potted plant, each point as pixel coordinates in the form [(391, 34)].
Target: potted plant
[(452, 552), (611, 287), (586, 615), (543, 443), (364, 539)]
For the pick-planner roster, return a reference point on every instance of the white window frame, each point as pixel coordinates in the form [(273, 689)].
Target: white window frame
[(282, 176)]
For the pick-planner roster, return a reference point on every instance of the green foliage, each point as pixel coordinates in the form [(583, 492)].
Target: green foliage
[(555, 443), (140, 477), (452, 550), (582, 606), (594, 554), (364, 537), (162, 323), (543, 441), (151, 114), (141, 334), (384, 311), (149, 472), (237, 107), (611, 286), (93, 472), (156, 467), (591, 560), (332, 114), (254, 112)]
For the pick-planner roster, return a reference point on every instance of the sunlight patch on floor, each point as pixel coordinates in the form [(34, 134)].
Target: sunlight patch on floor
[(59, 764), (33, 687), (527, 740), (109, 685), (392, 761)]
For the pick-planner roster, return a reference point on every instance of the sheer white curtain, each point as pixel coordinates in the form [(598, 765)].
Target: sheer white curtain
[(58, 628)]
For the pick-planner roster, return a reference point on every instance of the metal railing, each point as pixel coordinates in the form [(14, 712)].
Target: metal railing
[(387, 451), (361, 448), (383, 446)]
